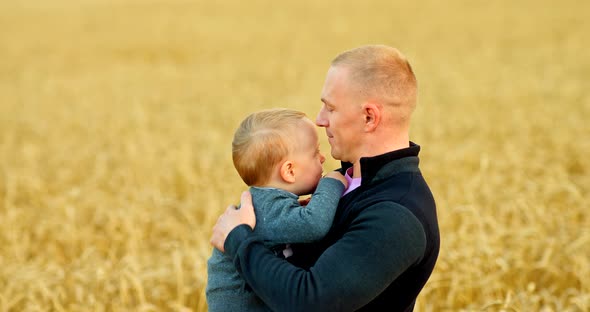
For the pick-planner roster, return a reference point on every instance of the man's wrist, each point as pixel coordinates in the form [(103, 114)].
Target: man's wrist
[(235, 238)]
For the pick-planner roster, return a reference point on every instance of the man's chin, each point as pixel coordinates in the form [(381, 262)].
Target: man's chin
[(335, 155)]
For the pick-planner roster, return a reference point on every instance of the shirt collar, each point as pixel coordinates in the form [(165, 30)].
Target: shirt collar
[(371, 165)]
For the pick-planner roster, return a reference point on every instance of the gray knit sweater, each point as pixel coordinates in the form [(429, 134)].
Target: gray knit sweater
[(280, 219)]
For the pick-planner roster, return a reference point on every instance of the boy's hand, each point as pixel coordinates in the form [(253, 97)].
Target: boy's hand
[(338, 176), (231, 218), (305, 201)]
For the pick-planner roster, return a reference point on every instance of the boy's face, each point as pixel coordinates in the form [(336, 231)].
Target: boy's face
[(308, 159)]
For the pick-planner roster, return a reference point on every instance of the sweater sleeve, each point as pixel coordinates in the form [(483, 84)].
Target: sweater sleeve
[(381, 243), (304, 224)]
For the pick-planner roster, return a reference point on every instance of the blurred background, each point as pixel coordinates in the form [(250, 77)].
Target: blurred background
[(116, 120)]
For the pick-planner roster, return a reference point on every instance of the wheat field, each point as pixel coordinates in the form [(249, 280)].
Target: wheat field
[(116, 119)]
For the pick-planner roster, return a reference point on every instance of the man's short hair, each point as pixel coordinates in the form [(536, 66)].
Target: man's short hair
[(262, 141), (382, 73)]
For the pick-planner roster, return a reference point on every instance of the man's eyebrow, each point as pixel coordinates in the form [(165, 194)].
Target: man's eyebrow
[(325, 101)]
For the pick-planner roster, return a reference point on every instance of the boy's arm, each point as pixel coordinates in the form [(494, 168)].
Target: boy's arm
[(299, 224), (381, 243)]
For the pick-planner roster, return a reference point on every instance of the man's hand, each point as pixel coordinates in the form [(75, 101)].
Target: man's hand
[(231, 218)]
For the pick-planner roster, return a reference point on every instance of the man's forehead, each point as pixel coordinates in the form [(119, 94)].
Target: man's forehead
[(334, 79)]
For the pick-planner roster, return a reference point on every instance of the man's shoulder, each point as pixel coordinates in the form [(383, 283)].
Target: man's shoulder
[(387, 208)]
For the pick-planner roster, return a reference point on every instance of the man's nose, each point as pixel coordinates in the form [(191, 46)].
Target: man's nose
[(322, 158), (321, 120)]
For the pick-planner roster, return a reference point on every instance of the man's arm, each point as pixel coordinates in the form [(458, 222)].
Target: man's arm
[(380, 244)]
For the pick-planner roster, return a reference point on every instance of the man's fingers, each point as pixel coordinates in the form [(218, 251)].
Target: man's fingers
[(246, 200), (217, 237), (247, 209), (231, 218), (214, 241)]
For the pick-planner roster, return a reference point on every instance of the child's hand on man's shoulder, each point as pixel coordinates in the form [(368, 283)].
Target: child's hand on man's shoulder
[(338, 176)]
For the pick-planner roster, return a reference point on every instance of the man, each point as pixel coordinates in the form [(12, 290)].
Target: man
[(384, 240)]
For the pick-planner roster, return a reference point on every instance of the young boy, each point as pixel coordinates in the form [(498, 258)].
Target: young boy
[(276, 152)]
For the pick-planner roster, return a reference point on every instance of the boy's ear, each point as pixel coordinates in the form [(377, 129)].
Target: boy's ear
[(372, 114), (287, 171)]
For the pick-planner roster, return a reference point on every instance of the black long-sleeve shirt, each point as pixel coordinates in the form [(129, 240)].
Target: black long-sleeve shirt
[(377, 256)]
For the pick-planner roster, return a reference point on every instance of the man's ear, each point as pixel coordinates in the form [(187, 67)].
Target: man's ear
[(372, 114), (287, 171)]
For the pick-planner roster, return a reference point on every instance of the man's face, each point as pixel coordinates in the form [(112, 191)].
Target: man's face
[(341, 115)]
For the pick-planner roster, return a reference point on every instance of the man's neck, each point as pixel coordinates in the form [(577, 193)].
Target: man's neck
[(375, 151), (356, 169)]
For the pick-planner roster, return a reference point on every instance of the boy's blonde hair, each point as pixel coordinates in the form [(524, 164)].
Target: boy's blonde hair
[(263, 140)]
